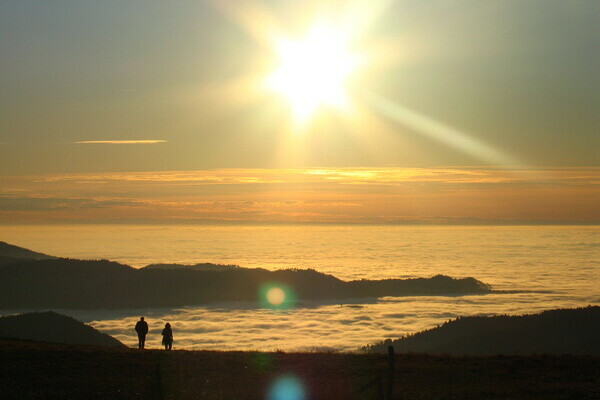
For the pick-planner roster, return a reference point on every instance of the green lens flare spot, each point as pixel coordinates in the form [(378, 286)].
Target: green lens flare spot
[(277, 296), (287, 387)]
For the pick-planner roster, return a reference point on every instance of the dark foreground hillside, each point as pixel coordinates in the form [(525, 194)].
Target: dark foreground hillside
[(49, 326), (562, 331), (30, 370)]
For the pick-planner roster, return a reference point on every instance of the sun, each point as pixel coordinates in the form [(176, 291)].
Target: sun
[(313, 71)]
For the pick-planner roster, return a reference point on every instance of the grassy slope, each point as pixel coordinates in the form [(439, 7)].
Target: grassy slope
[(46, 371)]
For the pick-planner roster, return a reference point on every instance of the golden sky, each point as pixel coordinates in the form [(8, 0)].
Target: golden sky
[(355, 111)]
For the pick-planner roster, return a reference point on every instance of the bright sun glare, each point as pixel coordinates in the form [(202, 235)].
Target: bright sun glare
[(313, 71)]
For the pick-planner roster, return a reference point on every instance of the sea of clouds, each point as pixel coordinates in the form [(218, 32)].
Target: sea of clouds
[(314, 326), (540, 268)]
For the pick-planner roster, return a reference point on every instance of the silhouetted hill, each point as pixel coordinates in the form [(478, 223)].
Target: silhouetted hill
[(67, 283), (198, 267), (10, 253), (563, 331), (49, 326)]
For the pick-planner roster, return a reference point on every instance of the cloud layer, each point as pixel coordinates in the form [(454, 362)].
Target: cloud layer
[(342, 195), (317, 327), (536, 268)]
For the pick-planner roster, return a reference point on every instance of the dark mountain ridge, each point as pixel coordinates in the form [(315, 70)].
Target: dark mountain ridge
[(80, 284), (197, 267), (562, 331)]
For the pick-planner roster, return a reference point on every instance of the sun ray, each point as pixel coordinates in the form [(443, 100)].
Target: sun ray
[(434, 129), (316, 72)]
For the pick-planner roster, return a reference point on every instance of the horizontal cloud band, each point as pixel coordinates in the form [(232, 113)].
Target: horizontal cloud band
[(342, 195)]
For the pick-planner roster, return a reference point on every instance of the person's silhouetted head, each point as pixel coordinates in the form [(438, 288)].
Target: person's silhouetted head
[(141, 318), (167, 325)]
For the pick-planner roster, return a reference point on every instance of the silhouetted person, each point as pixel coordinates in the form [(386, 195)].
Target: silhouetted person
[(167, 334), (142, 329)]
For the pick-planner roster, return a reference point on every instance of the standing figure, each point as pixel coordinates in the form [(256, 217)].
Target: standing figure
[(167, 334), (142, 329)]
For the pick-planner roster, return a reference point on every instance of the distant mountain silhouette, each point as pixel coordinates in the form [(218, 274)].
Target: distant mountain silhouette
[(562, 331), (49, 326), (10, 253), (198, 267), (68, 283)]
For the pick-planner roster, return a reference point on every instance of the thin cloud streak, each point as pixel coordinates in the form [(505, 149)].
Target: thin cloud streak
[(149, 141), (341, 176)]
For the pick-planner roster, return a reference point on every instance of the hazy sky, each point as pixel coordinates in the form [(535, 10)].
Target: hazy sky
[(477, 84)]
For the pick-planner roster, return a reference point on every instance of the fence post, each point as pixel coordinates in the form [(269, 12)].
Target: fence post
[(380, 388), (159, 382), (390, 383)]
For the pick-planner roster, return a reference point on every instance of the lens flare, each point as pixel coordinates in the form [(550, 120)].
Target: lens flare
[(276, 296), (287, 387), (262, 362)]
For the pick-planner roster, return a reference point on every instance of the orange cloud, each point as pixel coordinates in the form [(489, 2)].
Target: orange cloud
[(343, 195)]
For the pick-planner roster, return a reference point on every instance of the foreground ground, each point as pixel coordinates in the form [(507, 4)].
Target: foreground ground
[(30, 370)]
